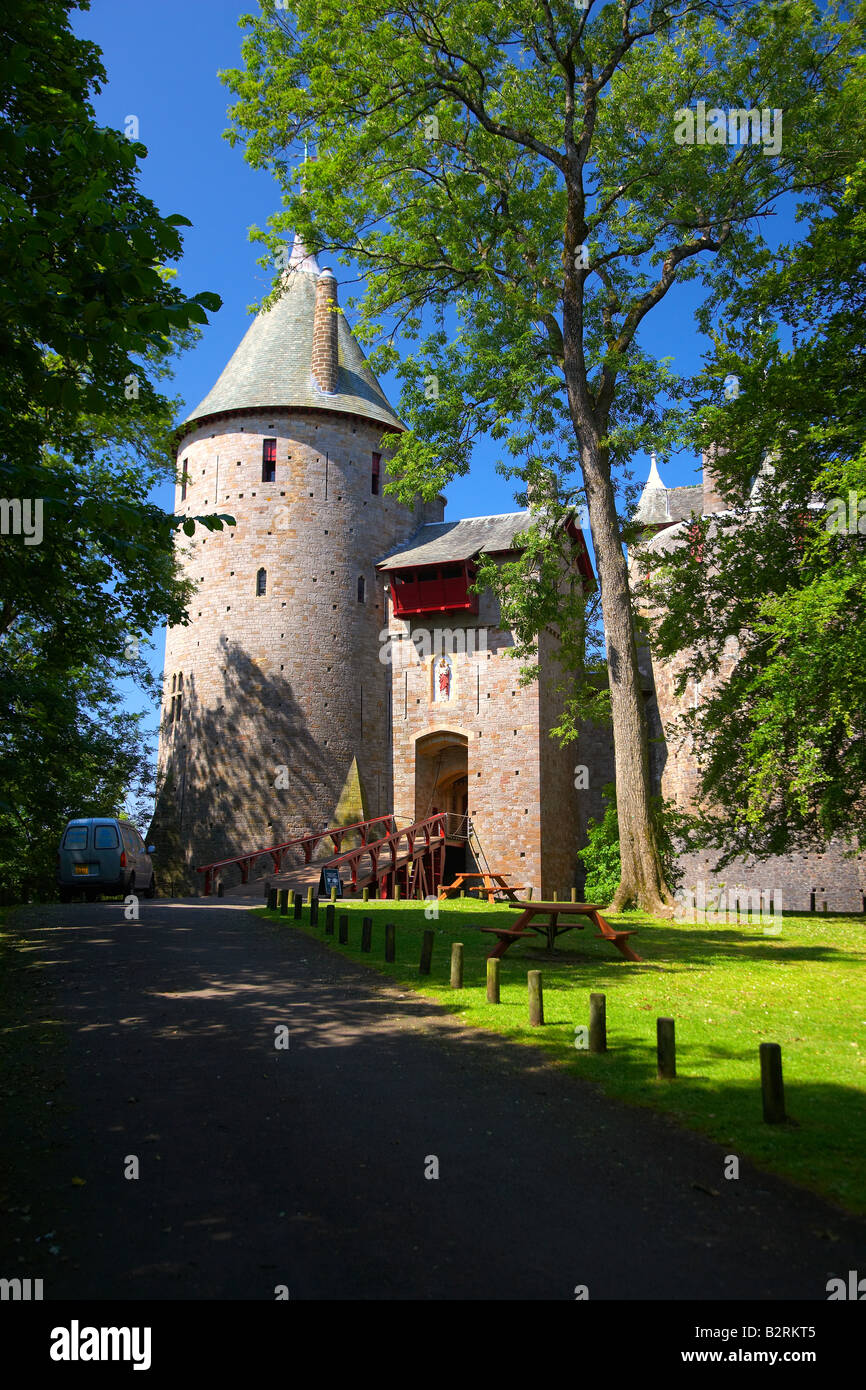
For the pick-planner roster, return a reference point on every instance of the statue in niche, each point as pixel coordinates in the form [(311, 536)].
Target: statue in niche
[(442, 676)]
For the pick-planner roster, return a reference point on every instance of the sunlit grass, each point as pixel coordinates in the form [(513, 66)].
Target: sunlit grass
[(729, 988)]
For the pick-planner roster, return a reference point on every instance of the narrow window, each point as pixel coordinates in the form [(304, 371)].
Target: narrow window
[(269, 460), (261, 583), (374, 477), (362, 590), (184, 479), (179, 709)]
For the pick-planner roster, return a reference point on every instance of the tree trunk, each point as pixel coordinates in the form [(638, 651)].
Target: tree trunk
[(642, 880)]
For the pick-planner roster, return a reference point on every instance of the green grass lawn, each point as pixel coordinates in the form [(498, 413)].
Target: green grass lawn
[(729, 988)]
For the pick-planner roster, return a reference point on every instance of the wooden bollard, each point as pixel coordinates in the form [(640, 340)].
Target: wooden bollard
[(666, 1049), (314, 911), (574, 895), (492, 981), (426, 953), (329, 919), (389, 941), (457, 965), (365, 895), (597, 1023), (272, 899), (299, 904), (536, 997), (529, 894), (366, 933), (772, 1087), (396, 892), (284, 902), (309, 895), (344, 929), (333, 894)]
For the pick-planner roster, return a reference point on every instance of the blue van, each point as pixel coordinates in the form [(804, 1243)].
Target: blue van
[(99, 854)]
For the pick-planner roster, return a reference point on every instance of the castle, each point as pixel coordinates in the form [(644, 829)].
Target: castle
[(337, 665)]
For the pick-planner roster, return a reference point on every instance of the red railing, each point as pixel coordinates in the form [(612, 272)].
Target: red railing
[(426, 831), (309, 844)]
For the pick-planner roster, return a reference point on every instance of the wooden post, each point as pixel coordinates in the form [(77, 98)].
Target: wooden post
[(529, 894), (314, 910), (426, 953), (492, 981), (309, 895), (597, 1023), (574, 895), (344, 929), (299, 905), (396, 892), (666, 1049), (284, 902), (333, 894), (772, 1087), (365, 894), (329, 919), (536, 997), (366, 933), (457, 965), (389, 941), (272, 899)]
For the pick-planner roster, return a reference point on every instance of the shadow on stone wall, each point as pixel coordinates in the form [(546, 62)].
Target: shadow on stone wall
[(219, 794)]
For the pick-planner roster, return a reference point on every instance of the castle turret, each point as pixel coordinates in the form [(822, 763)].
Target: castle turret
[(282, 723)]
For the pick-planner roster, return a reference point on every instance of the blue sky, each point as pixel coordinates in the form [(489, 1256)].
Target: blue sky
[(162, 62)]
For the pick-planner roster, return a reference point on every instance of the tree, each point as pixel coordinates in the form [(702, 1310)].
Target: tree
[(781, 736), (90, 320), (509, 181)]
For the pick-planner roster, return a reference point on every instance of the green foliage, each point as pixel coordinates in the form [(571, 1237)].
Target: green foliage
[(600, 856), (90, 321), (779, 730)]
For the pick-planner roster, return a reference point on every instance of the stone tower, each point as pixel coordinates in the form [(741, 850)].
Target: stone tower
[(275, 703)]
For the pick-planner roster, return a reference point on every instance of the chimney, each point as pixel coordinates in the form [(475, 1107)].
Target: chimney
[(713, 499), (324, 364)]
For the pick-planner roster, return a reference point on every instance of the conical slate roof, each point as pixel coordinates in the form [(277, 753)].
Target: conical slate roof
[(271, 366)]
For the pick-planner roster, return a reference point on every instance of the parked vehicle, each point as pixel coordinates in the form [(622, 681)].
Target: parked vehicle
[(99, 854)]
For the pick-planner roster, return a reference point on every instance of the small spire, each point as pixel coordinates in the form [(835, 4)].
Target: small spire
[(653, 480), (300, 258)]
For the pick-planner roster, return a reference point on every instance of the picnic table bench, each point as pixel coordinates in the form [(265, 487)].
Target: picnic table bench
[(491, 885), (553, 928)]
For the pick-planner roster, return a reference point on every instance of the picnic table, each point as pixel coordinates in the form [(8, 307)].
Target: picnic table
[(553, 927), (491, 885)]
